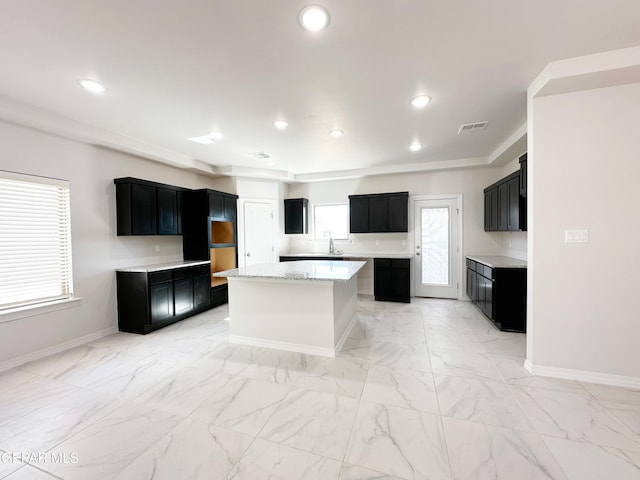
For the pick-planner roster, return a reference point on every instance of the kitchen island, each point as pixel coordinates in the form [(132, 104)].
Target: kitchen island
[(306, 306)]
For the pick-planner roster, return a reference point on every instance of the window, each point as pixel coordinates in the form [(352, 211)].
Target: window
[(35, 240), (331, 221)]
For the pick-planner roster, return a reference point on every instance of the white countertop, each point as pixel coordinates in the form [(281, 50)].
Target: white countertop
[(164, 266), (497, 261), (349, 255), (337, 271)]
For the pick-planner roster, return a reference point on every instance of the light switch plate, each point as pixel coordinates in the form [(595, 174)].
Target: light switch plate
[(576, 236)]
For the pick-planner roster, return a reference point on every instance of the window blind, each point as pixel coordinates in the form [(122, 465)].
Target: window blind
[(35, 240)]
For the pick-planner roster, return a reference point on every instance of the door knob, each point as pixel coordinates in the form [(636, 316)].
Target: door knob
[(248, 254), (418, 254)]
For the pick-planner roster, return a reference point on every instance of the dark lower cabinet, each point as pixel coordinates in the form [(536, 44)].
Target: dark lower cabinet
[(151, 300), (201, 290), (183, 295), (161, 300), (295, 259), (392, 279), (500, 293)]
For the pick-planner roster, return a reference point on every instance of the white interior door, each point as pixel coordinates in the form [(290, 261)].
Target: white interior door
[(258, 233), (437, 252)]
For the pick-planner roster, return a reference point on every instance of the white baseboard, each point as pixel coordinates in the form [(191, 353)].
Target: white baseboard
[(45, 352), (296, 347), (583, 376), (289, 347)]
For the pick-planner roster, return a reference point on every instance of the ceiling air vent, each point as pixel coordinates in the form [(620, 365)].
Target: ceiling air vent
[(260, 155), (472, 127)]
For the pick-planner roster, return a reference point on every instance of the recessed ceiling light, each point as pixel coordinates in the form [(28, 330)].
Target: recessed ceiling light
[(215, 135), (420, 101), (280, 124), (415, 146), (336, 133), (204, 140), (92, 86), (314, 18), (271, 163)]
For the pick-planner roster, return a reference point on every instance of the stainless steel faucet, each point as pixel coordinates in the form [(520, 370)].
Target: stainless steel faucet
[(332, 248)]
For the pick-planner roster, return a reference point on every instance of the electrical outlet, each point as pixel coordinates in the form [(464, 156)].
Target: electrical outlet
[(404, 243), (377, 243), (576, 236), (157, 247)]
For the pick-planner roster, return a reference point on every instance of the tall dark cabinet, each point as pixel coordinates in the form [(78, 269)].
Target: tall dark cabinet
[(209, 232)]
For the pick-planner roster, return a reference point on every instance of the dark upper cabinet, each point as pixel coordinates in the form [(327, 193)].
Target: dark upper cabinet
[(513, 193), (398, 213), (296, 216), (505, 209), (523, 175), (359, 214), (216, 205), (491, 209), (380, 212), (230, 203), (167, 204), (147, 208)]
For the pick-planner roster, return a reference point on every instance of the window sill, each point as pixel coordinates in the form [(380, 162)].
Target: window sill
[(38, 309)]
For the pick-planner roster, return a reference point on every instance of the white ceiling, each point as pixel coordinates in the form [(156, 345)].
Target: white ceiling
[(181, 68)]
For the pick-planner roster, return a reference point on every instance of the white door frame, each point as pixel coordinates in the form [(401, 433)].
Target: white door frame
[(412, 230), (240, 226)]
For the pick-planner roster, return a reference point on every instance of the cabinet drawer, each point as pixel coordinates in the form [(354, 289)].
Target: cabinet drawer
[(400, 263), (219, 295), (487, 271), (157, 277), (471, 265)]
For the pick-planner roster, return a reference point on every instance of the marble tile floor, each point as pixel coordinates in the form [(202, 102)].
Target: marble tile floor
[(427, 390)]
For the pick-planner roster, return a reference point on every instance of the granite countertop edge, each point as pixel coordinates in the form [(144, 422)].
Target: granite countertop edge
[(289, 271), (349, 255), (498, 261), (158, 267)]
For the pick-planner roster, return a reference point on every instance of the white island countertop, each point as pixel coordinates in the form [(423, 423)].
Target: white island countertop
[(309, 270), (497, 261), (364, 255)]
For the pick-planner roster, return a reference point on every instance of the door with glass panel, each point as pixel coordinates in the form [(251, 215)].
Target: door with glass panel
[(437, 252)]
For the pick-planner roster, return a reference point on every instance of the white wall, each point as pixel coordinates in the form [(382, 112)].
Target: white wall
[(97, 251), (249, 189), (583, 174)]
